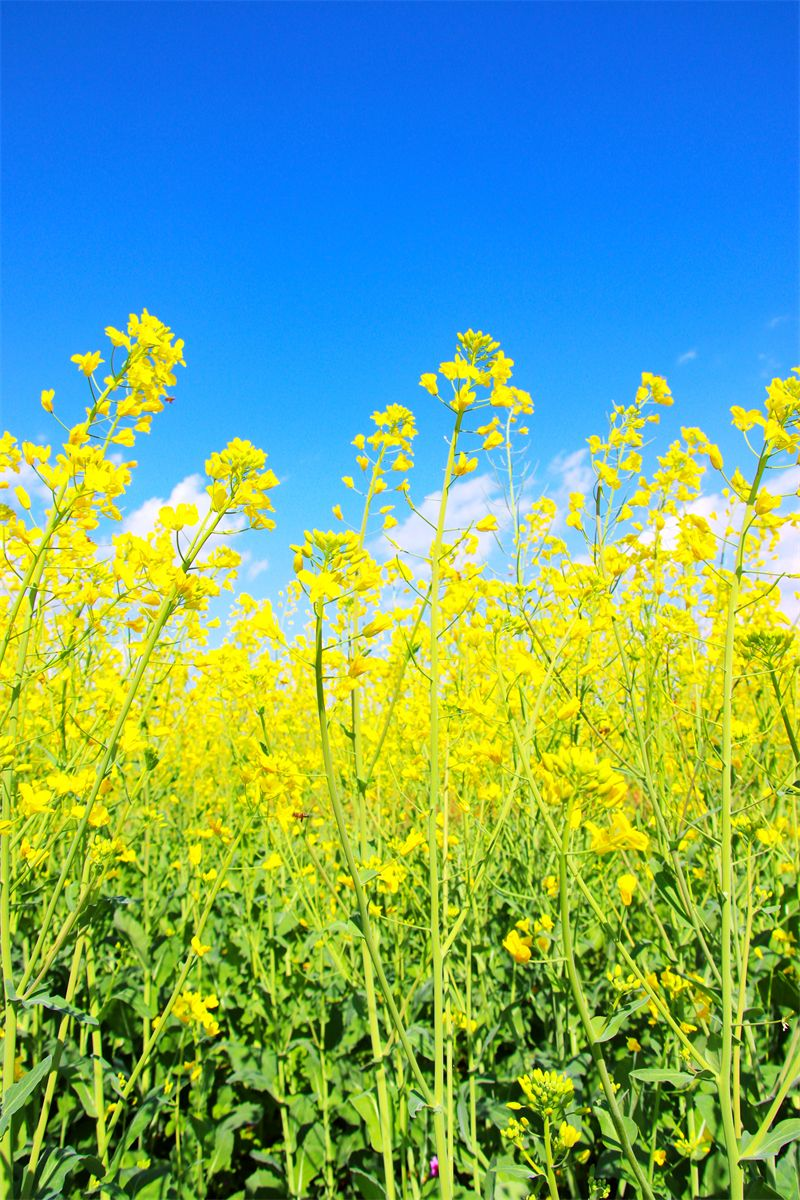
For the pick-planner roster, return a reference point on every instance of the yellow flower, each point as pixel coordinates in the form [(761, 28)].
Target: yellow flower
[(519, 948), (569, 710), (411, 843), (378, 625), (715, 457), (199, 947), (568, 1135), (23, 497), (33, 856), (117, 338), (88, 363), (324, 586), (428, 381), (464, 465), (33, 801), (547, 1092), (487, 524), (627, 885), (619, 835)]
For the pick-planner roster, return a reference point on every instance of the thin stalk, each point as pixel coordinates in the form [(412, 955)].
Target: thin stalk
[(727, 884), (352, 865), (552, 1186), (586, 1018), (437, 957), (29, 1175)]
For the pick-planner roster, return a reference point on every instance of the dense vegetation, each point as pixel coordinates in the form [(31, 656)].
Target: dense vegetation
[(483, 883)]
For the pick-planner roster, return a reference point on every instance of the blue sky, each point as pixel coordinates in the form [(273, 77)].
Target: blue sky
[(316, 197)]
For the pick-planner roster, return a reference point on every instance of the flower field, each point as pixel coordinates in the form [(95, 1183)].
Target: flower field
[(464, 873)]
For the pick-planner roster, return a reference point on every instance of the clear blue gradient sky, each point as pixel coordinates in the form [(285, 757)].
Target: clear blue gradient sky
[(318, 196)]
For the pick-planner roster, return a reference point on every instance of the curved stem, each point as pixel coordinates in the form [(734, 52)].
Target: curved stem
[(586, 1019)]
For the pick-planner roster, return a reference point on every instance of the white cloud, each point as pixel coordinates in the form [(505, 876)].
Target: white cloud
[(571, 473), (774, 322), (564, 474), (255, 567), (190, 490), (686, 357), (39, 493), (469, 500), (785, 559)]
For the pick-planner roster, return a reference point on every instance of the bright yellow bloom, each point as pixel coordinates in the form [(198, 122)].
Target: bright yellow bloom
[(487, 524), (568, 1135), (627, 885), (569, 710), (464, 465), (88, 363), (519, 948), (619, 835)]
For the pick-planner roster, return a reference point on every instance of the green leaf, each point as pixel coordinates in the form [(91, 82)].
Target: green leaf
[(677, 1079), (609, 1132), (366, 1107), (21, 1091), (86, 1097), (772, 1142), (144, 1117), (223, 1150), (604, 1028), (59, 1005), (667, 887), (133, 931), (60, 1163), (243, 1114), (415, 1103), (305, 1170), (266, 1181), (369, 1187)]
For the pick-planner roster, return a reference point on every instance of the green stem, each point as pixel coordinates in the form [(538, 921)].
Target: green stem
[(29, 1176), (586, 1018), (727, 882), (352, 866), (437, 957), (552, 1186)]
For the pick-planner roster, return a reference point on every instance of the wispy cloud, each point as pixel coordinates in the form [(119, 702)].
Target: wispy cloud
[(255, 567), (190, 490), (571, 473), (469, 500), (564, 474), (769, 366), (775, 322), (781, 564), (27, 478), (687, 356)]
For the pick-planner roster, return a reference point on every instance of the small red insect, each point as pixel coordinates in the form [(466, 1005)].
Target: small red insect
[(169, 399), (301, 816)]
